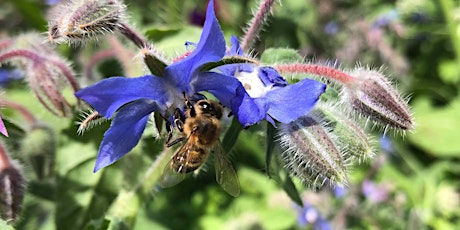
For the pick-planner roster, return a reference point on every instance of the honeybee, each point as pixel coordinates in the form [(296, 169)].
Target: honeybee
[(200, 133)]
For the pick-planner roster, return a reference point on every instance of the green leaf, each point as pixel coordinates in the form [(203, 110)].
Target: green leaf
[(291, 190), (159, 33), (76, 187), (449, 71), (231, 135), (5, 226), (279, 55), (155, 65), (436, 126)]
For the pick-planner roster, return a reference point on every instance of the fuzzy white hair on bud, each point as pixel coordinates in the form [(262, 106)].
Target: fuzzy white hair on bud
[(373, 96), (311, 152), (75, 21), (355, 143), (89, 119)]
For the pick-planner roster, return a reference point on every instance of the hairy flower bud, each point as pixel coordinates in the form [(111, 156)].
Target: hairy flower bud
[(351, 138), (46, 72), (311, 153), (373, 97), (78, 20), (11, 187), (46, 83), (39, 148)]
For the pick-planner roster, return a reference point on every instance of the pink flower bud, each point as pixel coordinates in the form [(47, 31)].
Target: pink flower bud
[(372, 96), (11, 187)]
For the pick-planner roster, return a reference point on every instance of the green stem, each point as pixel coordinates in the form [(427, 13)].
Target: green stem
[(125, 208), (153, 174)]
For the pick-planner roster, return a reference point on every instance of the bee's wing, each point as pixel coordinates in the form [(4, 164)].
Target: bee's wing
[(225, 173), (171, 177)]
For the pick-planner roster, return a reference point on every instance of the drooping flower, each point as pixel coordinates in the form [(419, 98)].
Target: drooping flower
[(268, 95), (134, 99)]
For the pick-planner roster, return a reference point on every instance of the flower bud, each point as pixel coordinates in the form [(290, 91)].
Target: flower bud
[(373, 97), (78, 20), (351, 138), (11, 187), (311, 153), (39, 148), (46, 81), (46, 72)]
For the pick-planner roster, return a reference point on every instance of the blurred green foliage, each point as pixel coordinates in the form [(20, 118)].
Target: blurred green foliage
[(418, 42)]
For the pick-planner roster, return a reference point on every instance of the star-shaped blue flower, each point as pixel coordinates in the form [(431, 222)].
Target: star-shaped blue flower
[(268, 95), (132, 100)]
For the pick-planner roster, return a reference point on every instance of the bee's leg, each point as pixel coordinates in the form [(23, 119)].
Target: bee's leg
[(178, 121), (180, 139), (168, 132)]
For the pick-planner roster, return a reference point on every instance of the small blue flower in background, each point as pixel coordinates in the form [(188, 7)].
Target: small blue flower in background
[(134, 99), (331, 28), (385, 19), (309, 215), (340, 192), (7, 76), (268, 95), (375, 193), (386, 144), (52, 2)]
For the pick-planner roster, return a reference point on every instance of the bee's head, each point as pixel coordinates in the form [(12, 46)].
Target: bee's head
[(208, 107)]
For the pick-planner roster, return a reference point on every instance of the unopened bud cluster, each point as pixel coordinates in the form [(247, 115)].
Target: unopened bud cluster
[(319, 146), (367, 92), (78, 20), (39, 149)]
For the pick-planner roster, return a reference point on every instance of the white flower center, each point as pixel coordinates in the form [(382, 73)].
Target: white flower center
[(252, 83)]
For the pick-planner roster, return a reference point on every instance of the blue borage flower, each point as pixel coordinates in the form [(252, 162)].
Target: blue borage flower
[(134, 99), (268, 95)]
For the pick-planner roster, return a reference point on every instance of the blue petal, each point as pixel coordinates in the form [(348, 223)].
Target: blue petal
[(251, 110), (110, 94), (290, 102), (223, 87), (124, 133), (236, 48), (232, 94), (232, 69), (269, 76), (210, 48)]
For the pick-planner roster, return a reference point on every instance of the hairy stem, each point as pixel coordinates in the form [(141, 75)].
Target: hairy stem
[(255, 26)]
